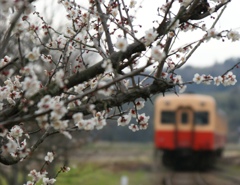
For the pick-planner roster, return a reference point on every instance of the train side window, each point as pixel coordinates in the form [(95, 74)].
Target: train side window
[(201, 118), (184, 118), (168, 117)]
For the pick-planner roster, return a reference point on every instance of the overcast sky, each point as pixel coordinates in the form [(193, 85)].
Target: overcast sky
[(208, 53)]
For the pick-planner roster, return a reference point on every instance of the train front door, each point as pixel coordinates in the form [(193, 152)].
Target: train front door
[(184, 128)]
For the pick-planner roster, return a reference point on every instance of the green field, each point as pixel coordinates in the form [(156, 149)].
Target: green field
[(107, 163), (92, 175)]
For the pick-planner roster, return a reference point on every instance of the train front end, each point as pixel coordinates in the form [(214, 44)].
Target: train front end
[(187, 126)]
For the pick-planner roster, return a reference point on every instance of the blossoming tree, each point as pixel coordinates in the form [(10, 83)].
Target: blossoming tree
[(51, 80)]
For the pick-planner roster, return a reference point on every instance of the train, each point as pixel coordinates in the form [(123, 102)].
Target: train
[(189, 130)]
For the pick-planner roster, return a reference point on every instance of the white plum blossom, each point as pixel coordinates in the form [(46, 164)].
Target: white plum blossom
[(177, 79), (47, 181), (139, 104), (233, 35), (78, 120), (226, 80), (31, 86), (80, 124), (157, 54), (142, 118), (46, 58), (16, 132), (31, 69), (23, 145), (143, 126), (132, 3), (33, 55), (229, 79), (114, 12), (133, 113), (108, 77), (73, 13), (182, 88), (100, 120), (105, 91), (79, 88), (61, 41), (124, 120), (93, 83), (65, 169), (70, 48), (11, 147), (121, 44), (89, 124), (164, 75), (43, 121), (73, 103), (217, 80), (9, 84), (21, 26), (182, 50), (45, 104), (36, 176), (171, 65), (198, 78), (150, 36), (5, 61), (207, 79), (16, 82), (49, 157), (60, 124), (212, 33), (52, 44), (133, 127)]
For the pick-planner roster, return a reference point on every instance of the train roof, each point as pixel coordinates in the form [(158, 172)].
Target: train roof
[(186, 99)]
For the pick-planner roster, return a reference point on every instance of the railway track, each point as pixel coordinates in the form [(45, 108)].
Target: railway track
[(193, 178), (225, 172), (184, 179)]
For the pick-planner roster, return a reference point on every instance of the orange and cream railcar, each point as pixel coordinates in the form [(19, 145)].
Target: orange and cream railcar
[(188, 124)]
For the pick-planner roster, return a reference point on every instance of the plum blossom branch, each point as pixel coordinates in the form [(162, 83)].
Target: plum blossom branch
[(105, 27)]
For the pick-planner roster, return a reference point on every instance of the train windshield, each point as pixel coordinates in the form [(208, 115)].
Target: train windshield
[(168, 117), (201, 118)]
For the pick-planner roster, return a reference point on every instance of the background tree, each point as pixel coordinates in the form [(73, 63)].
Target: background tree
[(76, 79)]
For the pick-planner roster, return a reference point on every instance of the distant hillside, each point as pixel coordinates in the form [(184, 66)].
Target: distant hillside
[(217, 69)]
